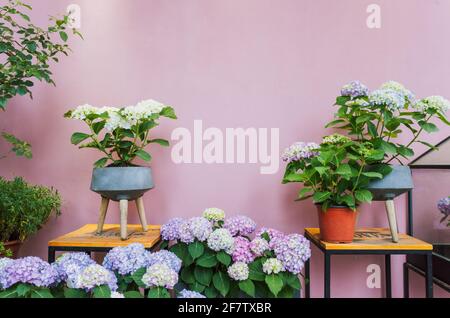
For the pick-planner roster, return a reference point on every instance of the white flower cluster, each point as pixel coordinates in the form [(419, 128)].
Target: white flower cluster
[(437, 103), (115, 294), (160, 275), (221, 239), (238, 271), (92, 276), (214, 214), (120, 117), (272, 266)]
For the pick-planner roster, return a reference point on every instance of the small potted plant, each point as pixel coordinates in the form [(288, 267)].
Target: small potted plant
[(334, 175), (24, 208), (121, 135)]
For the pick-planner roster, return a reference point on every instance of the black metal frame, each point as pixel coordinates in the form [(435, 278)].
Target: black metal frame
[(87, 249), (387, 253), (408, 266)]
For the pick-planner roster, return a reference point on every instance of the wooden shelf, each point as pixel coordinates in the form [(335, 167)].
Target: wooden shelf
[(86, 236), (371, 239)]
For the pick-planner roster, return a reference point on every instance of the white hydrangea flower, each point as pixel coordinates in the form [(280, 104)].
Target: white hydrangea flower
[(437, 103), (160, 275), (115, 294), (399, 88), (214, 214), (221, 239), (116, 120), (92, 276), (273, 266), (142, 110), (80, 112), (238, 271)]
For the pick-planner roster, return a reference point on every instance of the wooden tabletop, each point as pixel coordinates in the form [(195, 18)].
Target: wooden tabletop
[(371, 239), (86, 236)]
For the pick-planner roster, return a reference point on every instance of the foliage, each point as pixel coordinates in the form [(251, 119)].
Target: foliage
[(338, 174), (24, 208), (121, 134), (26, 51), (19, 147), (382, 117), (5, 251)]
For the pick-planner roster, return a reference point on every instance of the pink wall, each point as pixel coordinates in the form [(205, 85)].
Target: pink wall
[(251, 63)]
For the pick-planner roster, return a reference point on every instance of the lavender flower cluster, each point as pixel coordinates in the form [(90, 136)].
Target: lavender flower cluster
[(444, 207), (299, 151), (187, 230), (354, 89), (126, 260)]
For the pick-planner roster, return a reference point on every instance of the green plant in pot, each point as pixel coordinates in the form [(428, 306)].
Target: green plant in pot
[(385, 118), (24, 209), (334, 175), (121, 135)]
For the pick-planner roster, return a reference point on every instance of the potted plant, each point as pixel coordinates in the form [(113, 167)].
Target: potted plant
[(380, 118), (120, 134), (334, 175), (24, 208)]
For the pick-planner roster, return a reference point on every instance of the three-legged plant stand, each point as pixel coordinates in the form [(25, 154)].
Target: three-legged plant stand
[(123, 204)]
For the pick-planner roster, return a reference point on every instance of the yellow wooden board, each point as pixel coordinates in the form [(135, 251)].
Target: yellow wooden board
[(371, 239), (110, 237)]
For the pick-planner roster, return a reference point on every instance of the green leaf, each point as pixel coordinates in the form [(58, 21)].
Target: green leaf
[(319, 197), (363, 195), (102, 291), (181, 250), (211, 292), (372, 129), (428, 145), (144, 155), (203, 275), (22, 289), (344, 169), (162, 142), (224, 258), (334, 123), (100, 163), (322, 170), (133, 294), (303, 192), (371, 174), (9, 293), (63, 36), (98, 126), (286, 292), (293, 281), (196, 286), (405, 152), (187, 275), (221, 283), (78, 137), (158, 292), (388, 147), (41, 293), (168, 112), (75, 293), (247, 287), (255, 271), (275, 283), (137, 276), (21, 90), (196, 249), (349, 200), (428, 127), (207, 260)]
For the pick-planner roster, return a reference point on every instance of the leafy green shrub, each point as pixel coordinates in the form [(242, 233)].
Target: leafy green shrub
[(24, 208)]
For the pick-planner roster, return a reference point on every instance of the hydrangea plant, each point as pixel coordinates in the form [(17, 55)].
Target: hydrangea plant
[(444, 207), (121, 134), (382, 116), (334, 172), (220, 259)]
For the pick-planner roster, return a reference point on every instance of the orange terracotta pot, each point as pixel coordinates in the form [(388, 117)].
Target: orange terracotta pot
[(337, 224)]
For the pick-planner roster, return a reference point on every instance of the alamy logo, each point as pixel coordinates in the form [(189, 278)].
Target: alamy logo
[(234, 145), (374, 278), (74, 13), (374, 19)]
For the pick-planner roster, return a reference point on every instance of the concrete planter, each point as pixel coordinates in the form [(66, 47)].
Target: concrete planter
[(122, 183), (394, 184)]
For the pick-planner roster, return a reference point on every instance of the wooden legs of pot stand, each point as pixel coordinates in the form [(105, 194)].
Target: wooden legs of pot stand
[(390, 210), (123, 205)]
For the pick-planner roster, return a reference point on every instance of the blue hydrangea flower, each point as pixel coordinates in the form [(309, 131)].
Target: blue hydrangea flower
[(200, 228), (354, 89), (171, 230), (293, 250), (400, 89), (299, 151), (165, 257), (70, 264), (189, 294), (127, 259), (29, 270), (390, 98)]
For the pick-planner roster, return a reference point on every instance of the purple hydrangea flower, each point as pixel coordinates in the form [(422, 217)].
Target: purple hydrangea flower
[(390, 98), (241, 251), (444, 206), (299, 151), (29, 270), (167, 258), (171, 230), (186, 235), (274, 235), (189, 294), (258, 246), (200, 228), (127, 259), (293, 250), (240, 225), (354, 89), (70, 264)]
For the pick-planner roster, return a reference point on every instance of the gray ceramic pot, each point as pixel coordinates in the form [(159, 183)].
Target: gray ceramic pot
[(397, 182), (122, 183)]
